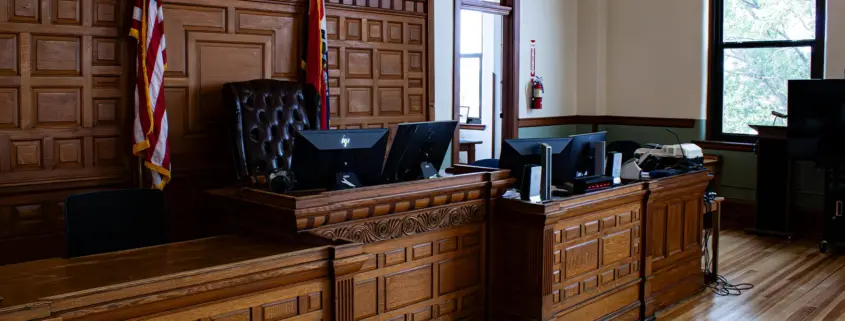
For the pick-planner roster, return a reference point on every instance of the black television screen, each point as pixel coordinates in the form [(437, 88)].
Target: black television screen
[(816, 123)]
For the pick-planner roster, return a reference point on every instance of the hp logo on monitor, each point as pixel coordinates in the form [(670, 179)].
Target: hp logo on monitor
[(344, 141)]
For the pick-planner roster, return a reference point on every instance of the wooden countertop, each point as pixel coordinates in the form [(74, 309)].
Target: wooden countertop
[(29, 282)]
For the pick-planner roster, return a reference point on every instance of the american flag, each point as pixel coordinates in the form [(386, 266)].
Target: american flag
[(317, 57), (150, 126)]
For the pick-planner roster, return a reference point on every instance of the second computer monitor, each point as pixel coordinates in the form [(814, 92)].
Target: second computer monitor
[(580, 157), (415, 146), (516, 153)]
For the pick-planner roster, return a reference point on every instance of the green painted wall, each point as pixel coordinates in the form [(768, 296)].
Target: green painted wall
[(738, 174), (739, 170), (547, 131)]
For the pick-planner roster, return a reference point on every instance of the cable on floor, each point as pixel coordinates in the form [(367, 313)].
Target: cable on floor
[(720, 286)]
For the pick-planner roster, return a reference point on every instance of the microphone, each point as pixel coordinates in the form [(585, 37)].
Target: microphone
[(678, 138)]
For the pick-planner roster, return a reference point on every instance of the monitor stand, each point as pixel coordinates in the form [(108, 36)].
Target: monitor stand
[(428, 171), (346, 180)]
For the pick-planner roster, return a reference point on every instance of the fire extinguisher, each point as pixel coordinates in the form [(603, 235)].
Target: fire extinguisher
[(537, 93)]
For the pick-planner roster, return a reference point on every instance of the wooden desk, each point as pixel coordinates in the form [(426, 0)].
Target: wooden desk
[(469, 147), (574, 258), (774, 178), (621, 253), (229, 276), (424, 243), (714, 164)]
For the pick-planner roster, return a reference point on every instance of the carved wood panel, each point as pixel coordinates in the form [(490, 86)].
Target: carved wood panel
[(62, 86), (593, 254), (676, 231), (377, 65), (673, 231), (434, 275)]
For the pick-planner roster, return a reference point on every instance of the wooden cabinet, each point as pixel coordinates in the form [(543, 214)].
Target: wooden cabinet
[(621, 254), (673, 240), (575, 258)]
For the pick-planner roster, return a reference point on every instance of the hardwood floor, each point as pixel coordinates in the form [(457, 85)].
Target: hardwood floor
[(792, 281)]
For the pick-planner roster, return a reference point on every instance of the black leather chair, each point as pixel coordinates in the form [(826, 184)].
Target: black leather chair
[(109, 221), (267, 114)]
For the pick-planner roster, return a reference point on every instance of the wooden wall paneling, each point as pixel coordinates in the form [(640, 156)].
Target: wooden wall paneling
[(48, 96), (377, 66), (63, 113)]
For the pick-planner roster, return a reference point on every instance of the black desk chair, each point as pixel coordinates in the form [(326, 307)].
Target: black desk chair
[(109, 221), (626, 147), (490, 162)]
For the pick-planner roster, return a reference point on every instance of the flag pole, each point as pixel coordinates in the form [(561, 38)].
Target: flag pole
[(140, 172)]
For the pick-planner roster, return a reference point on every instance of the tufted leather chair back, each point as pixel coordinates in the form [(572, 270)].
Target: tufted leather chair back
[(267, 115)]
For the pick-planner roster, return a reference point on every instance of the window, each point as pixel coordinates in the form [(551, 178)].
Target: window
[(470, 64), (756, 46)]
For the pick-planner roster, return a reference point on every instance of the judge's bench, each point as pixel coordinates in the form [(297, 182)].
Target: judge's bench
[(448, 248), (445, 248)]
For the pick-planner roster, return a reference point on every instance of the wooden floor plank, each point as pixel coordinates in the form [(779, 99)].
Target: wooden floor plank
[(792, 281)]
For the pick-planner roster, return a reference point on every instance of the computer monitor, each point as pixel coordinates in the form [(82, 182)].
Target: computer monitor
[(338, 159), (580, 156), (418, 150), (516, 153)]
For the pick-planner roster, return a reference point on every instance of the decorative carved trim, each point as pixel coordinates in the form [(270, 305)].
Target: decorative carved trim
[(547, 269), (344, 299), (391, 228)]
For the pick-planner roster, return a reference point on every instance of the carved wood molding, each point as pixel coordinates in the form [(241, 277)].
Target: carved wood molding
[(395, 227)]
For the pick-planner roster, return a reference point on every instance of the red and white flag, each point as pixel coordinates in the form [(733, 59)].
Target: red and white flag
[(150, 126), (315, 62)]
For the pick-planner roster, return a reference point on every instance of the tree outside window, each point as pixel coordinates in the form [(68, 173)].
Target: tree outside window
[(758, 45)]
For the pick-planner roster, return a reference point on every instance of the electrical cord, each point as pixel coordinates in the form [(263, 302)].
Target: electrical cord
[(720, 286)]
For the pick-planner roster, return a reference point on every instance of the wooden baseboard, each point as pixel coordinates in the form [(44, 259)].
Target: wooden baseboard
[(608, 120)]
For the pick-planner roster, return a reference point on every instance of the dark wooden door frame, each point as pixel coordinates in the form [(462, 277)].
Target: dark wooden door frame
[(509, 10)]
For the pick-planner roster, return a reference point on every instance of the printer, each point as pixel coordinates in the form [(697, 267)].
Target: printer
[(656, 157)]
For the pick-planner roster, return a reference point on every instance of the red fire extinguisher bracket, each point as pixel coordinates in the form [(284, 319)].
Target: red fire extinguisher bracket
[(537, 91)]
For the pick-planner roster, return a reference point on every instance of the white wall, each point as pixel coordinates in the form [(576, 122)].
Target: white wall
[(835, 48), (592, 57), (656, 53), (443, 53), (554, 25), (655, 56)]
